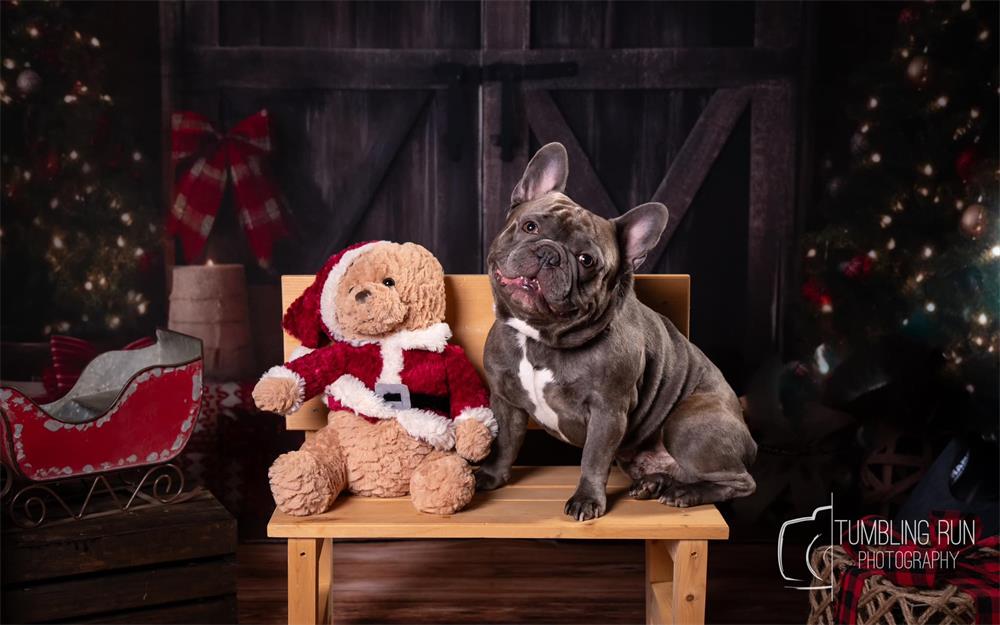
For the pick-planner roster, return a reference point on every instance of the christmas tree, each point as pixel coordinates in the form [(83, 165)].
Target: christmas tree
[(79, 228), (900, 268)]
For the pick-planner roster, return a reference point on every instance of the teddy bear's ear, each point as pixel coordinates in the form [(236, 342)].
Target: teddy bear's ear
[(302, 319)]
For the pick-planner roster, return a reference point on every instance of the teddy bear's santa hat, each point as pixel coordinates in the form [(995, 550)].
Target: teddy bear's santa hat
[(311, 318)]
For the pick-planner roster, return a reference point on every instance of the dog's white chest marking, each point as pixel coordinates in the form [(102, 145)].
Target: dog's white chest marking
[(534, 380)]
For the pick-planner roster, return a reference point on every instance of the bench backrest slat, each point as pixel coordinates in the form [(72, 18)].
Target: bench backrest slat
[(470, 315)]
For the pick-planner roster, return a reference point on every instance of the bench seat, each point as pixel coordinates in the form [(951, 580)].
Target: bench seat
[(530, 506)]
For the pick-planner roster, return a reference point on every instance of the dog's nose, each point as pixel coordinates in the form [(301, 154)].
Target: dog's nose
[(548, 258), (362, 296)]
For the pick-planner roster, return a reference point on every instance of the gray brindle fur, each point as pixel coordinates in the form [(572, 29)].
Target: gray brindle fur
[(573, 348)]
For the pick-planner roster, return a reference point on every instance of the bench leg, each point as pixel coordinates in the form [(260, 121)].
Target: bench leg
[(676, 577), (310, 569)]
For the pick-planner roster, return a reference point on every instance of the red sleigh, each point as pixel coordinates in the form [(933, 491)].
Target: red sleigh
[(127, 417)]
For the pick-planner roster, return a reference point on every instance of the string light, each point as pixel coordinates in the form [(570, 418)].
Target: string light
[(95, 42), (974, 113), (876, 157), (57, 242), (927, 169), (127, 219), (9, 63), (872, 103), (919, 278), (136, 156), (966, 5), (885, 221), (891, 244), (33, 32), (984, 34), (69, 98), (941, 102), (928, 251), (88, 285), (121, 241), (114, 321), (865, 128), (811, 253), (982, 319), (930, 307), (872, 254), (73, 155), (995, 251)]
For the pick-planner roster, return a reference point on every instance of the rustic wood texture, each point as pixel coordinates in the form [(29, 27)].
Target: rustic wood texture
[(156, 564), (692, 163), (530, 506), (512, 581), (689, 580), (145, 536), (75, 597), (470, 315), (366, 128)]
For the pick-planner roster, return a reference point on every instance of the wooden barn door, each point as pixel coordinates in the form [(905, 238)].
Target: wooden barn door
[(413, 121), (689, 104), (362, 124)]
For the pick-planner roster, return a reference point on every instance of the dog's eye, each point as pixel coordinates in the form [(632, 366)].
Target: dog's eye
[(586, 260), (530, 227), (389, 282)]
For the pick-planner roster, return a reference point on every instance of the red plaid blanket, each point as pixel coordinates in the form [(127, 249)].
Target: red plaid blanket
[(210, 160), (931, 565)]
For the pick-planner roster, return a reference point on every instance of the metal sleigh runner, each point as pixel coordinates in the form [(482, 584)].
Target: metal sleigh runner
[(118, 430)]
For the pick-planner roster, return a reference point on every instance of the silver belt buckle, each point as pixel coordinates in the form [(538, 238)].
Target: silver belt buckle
[(395, 395)]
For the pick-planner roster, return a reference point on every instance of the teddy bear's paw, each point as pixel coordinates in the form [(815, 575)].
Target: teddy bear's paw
[(472, 440), (276, 394), (302, 485), (442, 484)]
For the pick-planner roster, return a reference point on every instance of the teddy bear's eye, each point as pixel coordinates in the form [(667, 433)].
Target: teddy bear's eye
[(389, 282)]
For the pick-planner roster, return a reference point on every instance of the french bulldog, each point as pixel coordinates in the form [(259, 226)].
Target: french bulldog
[(574, 349)]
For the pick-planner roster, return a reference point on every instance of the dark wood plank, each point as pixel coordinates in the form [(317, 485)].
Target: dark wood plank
[(220, 610), (378, 158), (320, 68), (772, 205), (75, 597), (690, 167), (201, 23), (778, 24), (505, 26), (515, 581), (548, 125), (145, 536)]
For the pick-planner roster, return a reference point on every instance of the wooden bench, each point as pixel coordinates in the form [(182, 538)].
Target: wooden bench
[(531, 506)]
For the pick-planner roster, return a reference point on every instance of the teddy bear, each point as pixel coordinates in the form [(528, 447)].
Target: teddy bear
[(408, 411)]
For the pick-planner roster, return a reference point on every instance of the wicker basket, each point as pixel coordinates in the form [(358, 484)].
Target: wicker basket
[(881, 601)]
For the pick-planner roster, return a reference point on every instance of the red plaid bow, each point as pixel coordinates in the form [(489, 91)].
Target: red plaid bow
[(216, 157), (70, 356), (972, 570)]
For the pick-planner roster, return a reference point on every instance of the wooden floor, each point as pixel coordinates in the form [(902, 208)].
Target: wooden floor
[(512, 581)]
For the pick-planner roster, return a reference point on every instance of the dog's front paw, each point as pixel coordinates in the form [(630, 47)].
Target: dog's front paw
[(485, 480), (584, 506)]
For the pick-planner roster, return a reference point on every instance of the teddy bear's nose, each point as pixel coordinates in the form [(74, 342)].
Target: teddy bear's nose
[(362, 296)]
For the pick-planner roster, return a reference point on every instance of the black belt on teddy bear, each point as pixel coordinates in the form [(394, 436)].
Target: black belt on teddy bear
[(399, 397)]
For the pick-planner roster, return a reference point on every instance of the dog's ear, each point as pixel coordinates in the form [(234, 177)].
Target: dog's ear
[(546, 172), (639, 230)]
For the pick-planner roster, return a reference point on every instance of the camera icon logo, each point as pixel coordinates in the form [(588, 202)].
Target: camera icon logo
[(793, 533)]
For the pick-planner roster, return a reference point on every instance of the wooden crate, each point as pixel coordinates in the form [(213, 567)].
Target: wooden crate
[(160, 564)]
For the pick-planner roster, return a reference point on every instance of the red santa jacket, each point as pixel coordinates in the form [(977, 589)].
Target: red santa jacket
[(444, 388)]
